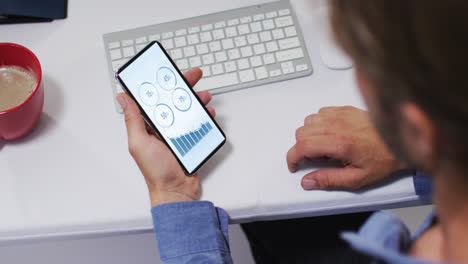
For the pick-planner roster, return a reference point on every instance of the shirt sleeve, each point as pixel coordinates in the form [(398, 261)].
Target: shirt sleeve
[(191, 232)]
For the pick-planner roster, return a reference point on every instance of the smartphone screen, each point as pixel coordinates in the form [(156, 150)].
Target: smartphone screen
[(171, 107)]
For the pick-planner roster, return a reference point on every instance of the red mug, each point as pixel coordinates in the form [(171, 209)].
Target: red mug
[(18, 121)]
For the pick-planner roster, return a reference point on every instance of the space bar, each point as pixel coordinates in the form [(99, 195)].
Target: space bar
[(208, 83)]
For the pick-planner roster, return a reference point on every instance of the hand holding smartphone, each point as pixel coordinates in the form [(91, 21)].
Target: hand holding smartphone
[(170, 106)]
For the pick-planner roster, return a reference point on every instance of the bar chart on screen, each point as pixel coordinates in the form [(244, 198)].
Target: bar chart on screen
[(186, 142)]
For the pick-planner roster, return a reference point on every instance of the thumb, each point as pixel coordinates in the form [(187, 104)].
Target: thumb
[(340, 178), (136, 129)]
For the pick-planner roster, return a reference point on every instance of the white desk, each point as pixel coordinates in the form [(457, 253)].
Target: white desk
[(73, 175)]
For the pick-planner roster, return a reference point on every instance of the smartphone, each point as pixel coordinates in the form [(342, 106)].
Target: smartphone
[(171, 107)]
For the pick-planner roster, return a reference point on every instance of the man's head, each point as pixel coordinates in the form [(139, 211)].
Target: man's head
[(410, 59)]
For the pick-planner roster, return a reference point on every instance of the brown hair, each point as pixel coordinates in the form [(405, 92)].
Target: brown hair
[(414, 51)]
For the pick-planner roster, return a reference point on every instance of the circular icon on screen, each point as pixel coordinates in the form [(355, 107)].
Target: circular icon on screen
[(181, 99), (148, 94), (166, 78), (164, 115)]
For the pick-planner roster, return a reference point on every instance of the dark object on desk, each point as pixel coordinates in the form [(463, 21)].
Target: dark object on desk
[(27, 11)]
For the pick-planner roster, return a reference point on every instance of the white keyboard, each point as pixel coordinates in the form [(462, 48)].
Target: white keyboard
[(235, 49)]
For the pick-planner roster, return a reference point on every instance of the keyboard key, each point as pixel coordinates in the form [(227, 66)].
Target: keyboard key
[(275, 73), (189, 51), (228, 44), (290, 31), (221, 56), (141, 40), (208, 59), (167, 35), (182, 64), (284, 12), (217, 69), (206, 71), (231, 32), (139, 47), (272, 46), (220, 24), (206, 36), (233, 54), (255, 61), (243, 29), (253, 38), (218, 34), (269, 58), (289, 43), (233, 22), (176, 54), (259, 49), (256, 26), (246, 75), (193, 39), (181, 32), (246, 51), (154, 37), (243, 64), (287, 67), (115, 54), (247, 19), (278, 33), (217, 81), (268, 24), (167, 44), (261, 73), (301, 67), (240, 41), (289, 54), (128, 52), (207, 27), (271, 14), (195, 61), (202, 48), (180, 42), (114, 45), (215, 46), (284, 21), (259, 17), (265, 36), (127, 43), (230, 66), (193, 30), (118, 63)]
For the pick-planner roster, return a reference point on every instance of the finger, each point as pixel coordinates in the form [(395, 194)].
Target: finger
[(313, 119), (204, 96), (329, 109), (316, 147), (327, 179), (193, 76), (212, 111), (136, 127), (312, 130)]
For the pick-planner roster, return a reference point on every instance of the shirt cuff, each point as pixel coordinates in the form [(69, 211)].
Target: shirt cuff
[(184, 228)]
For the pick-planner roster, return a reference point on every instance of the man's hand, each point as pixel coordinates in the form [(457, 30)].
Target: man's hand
[(165, 178), (346, 134)]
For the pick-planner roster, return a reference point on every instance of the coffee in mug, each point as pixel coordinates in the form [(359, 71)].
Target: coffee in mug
[(21, 91), (16, 85)]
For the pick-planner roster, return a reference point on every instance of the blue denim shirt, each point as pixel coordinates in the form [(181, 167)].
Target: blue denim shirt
[(197, 232)]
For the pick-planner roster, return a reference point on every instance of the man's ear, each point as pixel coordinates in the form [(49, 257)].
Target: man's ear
[(420, 136)]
